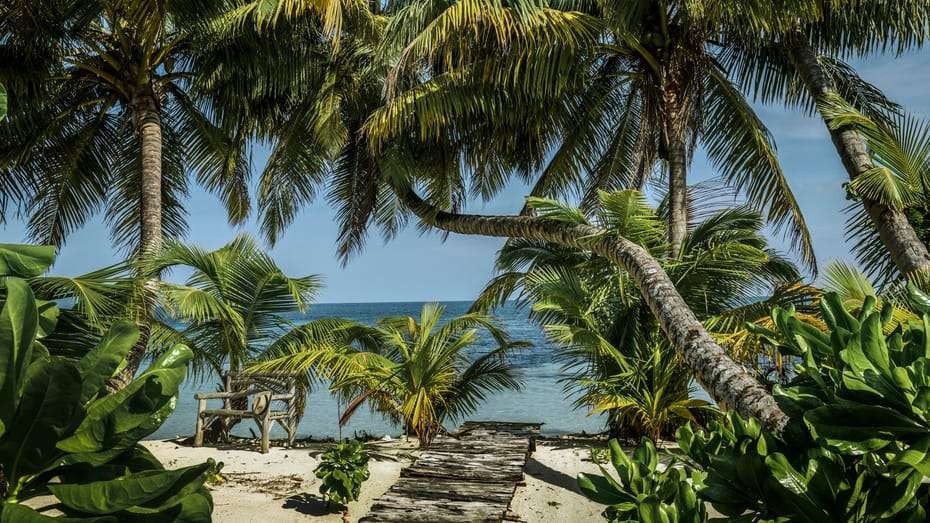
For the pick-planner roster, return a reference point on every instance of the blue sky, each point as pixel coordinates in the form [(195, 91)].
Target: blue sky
[(416, 267)]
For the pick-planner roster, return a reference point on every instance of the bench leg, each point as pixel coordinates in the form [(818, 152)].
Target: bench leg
[(266, 433), (198, 434), (291, 431)]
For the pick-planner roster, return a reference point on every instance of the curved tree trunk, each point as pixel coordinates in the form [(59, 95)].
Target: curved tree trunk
[(907, 251), (725, 380), (148, 124)]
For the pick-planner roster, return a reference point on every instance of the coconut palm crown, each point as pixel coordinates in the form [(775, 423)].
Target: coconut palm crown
[(234, 305), (420, 372)]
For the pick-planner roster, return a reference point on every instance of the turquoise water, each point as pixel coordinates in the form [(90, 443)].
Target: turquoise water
[(542, 398)]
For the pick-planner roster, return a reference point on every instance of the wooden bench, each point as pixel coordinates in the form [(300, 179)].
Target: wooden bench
[(263, 398)]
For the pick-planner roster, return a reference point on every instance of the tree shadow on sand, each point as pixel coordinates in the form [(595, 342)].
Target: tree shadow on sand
[(312, 505), (550, 475)]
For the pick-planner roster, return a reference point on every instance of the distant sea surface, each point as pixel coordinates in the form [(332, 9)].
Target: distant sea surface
[(542, 398)]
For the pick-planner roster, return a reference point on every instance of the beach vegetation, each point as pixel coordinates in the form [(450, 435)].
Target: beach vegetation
[(616, 358), (855, 448), (234, 304), (343, 468), (63, 435), (105, 120), (642, 488), (420, 372)]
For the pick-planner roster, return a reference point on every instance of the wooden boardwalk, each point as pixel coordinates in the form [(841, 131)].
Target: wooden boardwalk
[(470, 475)]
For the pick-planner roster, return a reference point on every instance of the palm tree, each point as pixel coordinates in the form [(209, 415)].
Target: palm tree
[(377, 182), (614, 351), (235, 304), (797, 66), (648, 85), (416, 371), (105, 117)]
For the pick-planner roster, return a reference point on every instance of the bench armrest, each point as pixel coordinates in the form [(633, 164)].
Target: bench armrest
[(220, 395), (282, 397)]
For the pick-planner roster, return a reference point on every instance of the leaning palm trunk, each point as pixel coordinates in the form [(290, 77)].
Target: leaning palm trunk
[(725, 380), (149, 127), (909, 254)]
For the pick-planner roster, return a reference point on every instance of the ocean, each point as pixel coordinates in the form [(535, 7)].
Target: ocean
[(542, 398)]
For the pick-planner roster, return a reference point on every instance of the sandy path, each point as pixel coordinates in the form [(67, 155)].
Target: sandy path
[(280, 486), (551, 494)]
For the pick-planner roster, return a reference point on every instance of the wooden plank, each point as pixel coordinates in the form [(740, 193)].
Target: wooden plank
[(453, 490), (416, 510), (470, 475)]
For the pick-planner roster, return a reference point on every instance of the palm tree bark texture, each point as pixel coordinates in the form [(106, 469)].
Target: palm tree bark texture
[(908, 252), (724, 379), (147, 115)]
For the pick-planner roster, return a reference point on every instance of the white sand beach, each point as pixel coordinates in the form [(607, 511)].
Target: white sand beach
[(280, 486)]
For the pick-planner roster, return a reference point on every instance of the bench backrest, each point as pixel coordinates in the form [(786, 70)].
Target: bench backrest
[(277, 384)]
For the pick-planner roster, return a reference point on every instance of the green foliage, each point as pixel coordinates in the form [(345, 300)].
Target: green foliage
[(417, 371), (71, 140), (857, 447), (62, 434), (615, 354), (343, 468), (641, 492), (235, 304)]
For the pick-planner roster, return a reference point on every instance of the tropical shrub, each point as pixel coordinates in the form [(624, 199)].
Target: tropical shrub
[(641, 492), (417, 372), (62, 435), (343, 468), (857, 446)]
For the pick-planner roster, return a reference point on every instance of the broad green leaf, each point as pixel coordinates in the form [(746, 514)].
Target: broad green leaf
[(45, 415), (48, 317), (19, 322), (599, 490), (858, 428), (136, 459), (193, 508), (130, 490), (3, 102), (25, 261), (18, 513), (98, 365), (919, 300), (916, 456), (192, 485), (133, 410)]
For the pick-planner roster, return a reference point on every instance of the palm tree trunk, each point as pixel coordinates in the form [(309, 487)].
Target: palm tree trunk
[(148, 124), (674, 130), (725, 380), (677, 196), (909, 254)]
